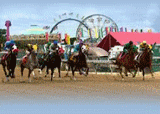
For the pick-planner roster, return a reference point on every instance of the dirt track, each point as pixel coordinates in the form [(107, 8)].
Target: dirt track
[(92, 85)]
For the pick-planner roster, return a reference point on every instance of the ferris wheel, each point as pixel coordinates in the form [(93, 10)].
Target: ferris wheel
[(97, 24)]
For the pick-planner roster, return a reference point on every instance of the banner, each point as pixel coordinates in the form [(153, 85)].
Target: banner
[(101, 32), (82, 35), (59, 37), (126, 30), (68, 39), (121, 29), (96, 34), (107, 31), (47, 36)]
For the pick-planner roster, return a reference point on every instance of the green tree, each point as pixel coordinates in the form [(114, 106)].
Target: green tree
[(2, 37)]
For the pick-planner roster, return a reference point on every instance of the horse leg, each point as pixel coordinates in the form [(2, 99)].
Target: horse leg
[(4, 69), (33, 74), (121, 72), (143, 74), (52, 72), (29, 73), (73, 70), (22, 69), (151, 72), (68, 69), (59, 71), (47, 71)]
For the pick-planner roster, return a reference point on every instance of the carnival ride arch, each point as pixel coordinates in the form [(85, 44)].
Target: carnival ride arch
[(67, 20), (90, 16)]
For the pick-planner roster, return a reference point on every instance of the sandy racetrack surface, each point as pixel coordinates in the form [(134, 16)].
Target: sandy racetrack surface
[(93, 84)]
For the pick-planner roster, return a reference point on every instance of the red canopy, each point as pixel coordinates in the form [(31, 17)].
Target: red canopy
[(121, 38)]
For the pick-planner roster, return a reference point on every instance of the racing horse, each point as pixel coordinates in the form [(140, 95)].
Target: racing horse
[(53, 61), (145, 60), (31, 63), (9, 61), (128, 62), (78, 62)]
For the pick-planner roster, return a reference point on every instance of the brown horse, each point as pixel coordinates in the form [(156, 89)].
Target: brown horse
[(128, 62), (78, 62), (145, 60)]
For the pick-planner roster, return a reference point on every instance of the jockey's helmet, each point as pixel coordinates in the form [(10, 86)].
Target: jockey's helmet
[(130, 42), (49, 43), (144, 42), (55, 42), (29, 45)]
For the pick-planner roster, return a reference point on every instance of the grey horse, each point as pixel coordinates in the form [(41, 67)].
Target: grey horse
[(31, 64)]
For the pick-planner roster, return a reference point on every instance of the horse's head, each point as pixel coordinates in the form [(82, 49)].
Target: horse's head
[(15, 51), (84, 48)]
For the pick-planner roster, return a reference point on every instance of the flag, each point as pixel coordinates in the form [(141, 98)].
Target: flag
[(125, 29), (47, 36), (55, 28), (89, 33), (111, 30), (96, 34), (82, 34), (68, 39), (99, 33), (64, 14), (115, 29), (150, 30), (77, 15), (54, 20), (121, 29), (107, 31), (136, 30), (59, 37), (102, 32), (46, 27), (71, 13), (82, 18), (59, 16)]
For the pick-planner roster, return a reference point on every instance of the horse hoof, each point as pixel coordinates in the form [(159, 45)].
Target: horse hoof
[(74, 78)]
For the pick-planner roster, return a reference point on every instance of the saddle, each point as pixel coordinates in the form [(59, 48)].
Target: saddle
[(5, 56), (73, 56), (24, 60)]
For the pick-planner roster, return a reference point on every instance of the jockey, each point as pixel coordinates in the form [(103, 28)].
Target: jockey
[(53, 47), (9, 46), (29, 49), (35, 47), (46, 47), (144, 45), (77, 45), (128, 46)]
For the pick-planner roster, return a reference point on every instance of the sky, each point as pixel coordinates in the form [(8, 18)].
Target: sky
[(137, 14)]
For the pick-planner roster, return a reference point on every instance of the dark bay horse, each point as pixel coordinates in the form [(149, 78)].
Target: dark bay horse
[(53, 61), (78, 62), (30, 64), (9, 61), (145, 61), (128, 62)]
